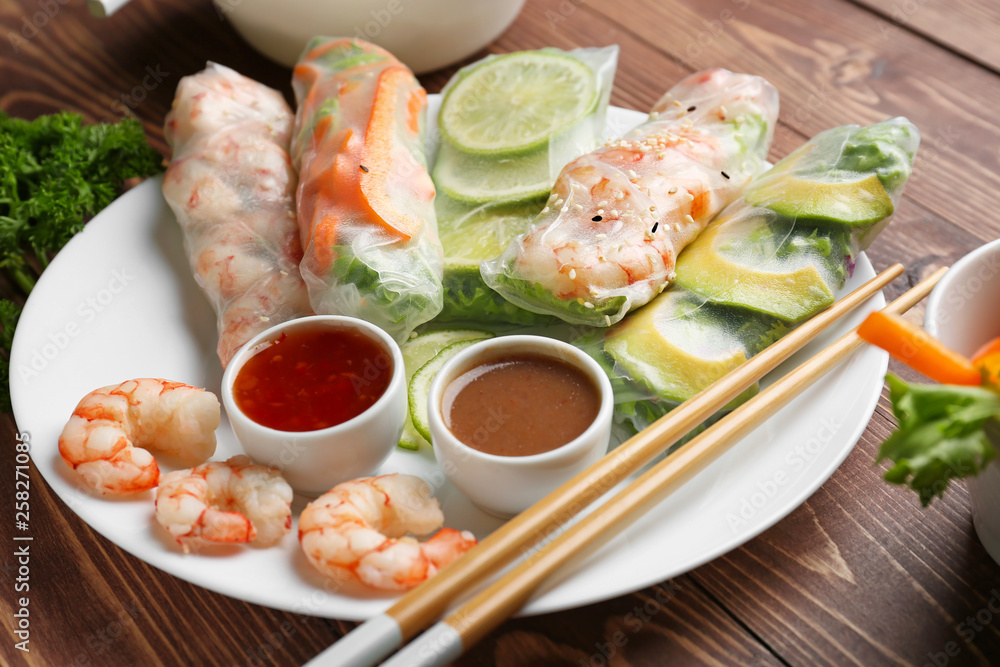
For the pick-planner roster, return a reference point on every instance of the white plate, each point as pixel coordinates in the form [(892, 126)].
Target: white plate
[(119, 302)]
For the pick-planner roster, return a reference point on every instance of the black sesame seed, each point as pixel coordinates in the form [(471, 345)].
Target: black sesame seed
[(655, 225), (596, 218), (725, 175), (692, 108), (364, 169)]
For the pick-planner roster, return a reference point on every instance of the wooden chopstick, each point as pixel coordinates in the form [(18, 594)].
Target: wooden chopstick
[(379, 636), (446, 640)]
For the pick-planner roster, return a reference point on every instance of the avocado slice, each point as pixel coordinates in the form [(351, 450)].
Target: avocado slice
[(791, 295), (860, 203), (675, 347)]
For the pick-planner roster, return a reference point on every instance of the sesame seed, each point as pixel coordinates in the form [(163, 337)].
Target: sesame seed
[(632, 174), (619, 195), (588, 304), (688, 219), (655, 225), (652, 209), (607, 319), (572, 274), (597, 218), (545, 210), (660, 156), (577, 207), (691, 108), (690, 196), (725, 175), (602, 204), (672, 190), (722, 110), (364, 169), (564, 209), (676, 103), (413, 334), (654, 115), (265, 318), (601, 237), (600, 211)]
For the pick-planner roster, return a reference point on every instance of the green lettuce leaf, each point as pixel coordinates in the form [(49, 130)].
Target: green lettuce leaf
[(944, 434), (467, 297)]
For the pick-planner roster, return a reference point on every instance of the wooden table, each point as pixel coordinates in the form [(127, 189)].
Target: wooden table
[(859, 574)]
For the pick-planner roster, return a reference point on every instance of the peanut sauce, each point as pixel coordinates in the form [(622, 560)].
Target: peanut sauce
[(312, 379), (520, 405)]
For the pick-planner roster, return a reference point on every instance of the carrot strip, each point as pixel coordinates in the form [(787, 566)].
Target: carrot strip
[(992, 347), (918, 350)]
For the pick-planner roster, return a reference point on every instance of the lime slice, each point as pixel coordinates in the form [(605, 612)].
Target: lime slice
[(479, 179), (515, 102), (470, 235), (420, 385), (417, 352)]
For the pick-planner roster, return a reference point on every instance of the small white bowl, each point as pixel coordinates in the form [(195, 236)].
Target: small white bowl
[(506, 485), (963, 312), (313, 462), (424, 35)]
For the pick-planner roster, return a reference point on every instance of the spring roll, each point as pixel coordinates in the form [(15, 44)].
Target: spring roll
[(770, 261), (608, 238), (365, 199), (232, 186)]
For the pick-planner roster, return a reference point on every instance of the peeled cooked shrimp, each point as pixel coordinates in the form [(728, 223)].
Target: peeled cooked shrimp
[(357, 531), (107, 437), (233, 501)]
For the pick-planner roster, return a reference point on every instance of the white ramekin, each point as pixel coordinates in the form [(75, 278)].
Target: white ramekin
[(506, 485), (425, 35), (315, 461), (963, 312)]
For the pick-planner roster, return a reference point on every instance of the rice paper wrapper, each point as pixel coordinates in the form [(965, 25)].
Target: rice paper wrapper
[(608, 237), (231, 185), (478, 225), (770, 261), (365, 199)]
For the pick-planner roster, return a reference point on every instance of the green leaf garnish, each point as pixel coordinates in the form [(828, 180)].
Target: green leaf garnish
[(942, 434)]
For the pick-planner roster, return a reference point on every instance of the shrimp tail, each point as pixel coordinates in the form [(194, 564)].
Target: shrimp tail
[(132, 470), (447, 545)]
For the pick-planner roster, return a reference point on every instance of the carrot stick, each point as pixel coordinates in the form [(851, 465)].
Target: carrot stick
[(991, 348), (918, 350)]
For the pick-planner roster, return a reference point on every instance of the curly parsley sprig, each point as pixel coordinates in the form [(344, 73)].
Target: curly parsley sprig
[(55, 174)]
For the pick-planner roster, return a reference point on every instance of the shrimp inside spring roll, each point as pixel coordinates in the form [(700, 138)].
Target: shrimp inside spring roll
[(608, 238), (232, 186)]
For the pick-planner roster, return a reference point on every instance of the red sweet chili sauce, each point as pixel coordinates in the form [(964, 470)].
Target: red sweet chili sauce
[(310, 379)]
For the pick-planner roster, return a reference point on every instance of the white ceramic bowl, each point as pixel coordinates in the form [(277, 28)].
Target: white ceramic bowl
[(426, 34), (506, 485), (315, 461), (963, 312)]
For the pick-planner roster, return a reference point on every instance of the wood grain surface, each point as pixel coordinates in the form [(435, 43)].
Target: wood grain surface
[(859, 574)]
